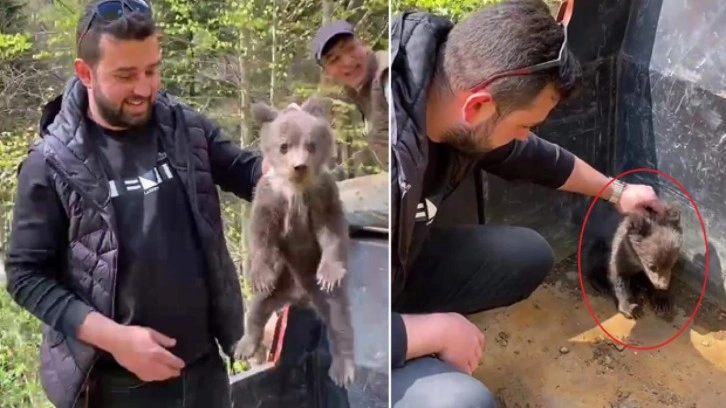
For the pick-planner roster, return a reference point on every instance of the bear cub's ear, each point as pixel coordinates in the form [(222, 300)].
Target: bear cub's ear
[(263, 113), (317, 106), (639, 225), (672, 212)]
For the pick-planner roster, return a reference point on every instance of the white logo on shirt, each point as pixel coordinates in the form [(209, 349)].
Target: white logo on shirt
[(148, 182), (425, 211)]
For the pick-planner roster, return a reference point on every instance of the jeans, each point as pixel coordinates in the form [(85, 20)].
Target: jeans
[(202, 384), (465, 269)]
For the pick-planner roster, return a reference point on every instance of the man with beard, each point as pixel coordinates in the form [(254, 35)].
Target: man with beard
[(452, 115), (117, 243)]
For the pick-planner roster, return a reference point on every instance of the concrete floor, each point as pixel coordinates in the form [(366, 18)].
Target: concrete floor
[(548, 352)]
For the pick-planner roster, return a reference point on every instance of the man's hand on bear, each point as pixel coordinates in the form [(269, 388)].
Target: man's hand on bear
[(636, 197)]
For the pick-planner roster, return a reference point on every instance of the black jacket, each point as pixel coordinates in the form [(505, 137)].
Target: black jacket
[(415, 40), (63, 256)]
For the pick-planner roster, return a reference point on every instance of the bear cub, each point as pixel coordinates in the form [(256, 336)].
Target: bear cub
[(298, 232), (637, 258)]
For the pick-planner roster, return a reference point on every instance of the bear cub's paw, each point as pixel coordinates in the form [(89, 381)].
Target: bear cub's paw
[(342, 371), (330, 274)]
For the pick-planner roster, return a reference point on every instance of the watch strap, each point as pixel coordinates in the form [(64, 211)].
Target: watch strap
[(617, 191)]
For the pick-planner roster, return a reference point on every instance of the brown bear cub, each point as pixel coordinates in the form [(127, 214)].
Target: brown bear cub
[(298, 232), (637, 258)]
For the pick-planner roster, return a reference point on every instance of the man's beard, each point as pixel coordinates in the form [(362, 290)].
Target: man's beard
[(472, 141), (115, 115)]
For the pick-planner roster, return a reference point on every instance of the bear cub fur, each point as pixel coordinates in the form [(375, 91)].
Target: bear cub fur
[(298, 232), (636, 258)]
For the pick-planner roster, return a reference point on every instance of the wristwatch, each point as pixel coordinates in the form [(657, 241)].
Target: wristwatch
[(618, 187)]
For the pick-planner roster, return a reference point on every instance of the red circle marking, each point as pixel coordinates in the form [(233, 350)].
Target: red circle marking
[(579, 259)]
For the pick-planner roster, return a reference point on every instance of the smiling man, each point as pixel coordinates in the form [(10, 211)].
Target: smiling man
[(363, 74), (117, 243)]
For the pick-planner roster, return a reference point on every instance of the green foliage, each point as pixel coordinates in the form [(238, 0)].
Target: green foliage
[(19, 357), (12, 18), (13, 45), (454, 10), (13, 148)]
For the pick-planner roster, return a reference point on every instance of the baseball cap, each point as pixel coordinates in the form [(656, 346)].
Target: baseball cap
[(327, 33)]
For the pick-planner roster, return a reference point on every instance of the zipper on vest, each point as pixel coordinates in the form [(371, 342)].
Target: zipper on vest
[(59, 169), (85, 384), (67, 177)]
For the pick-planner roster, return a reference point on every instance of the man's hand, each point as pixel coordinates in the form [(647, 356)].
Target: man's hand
[(143, 351), (449, 336), (140, 350), (463, 342), (637, 197), (588, 181)]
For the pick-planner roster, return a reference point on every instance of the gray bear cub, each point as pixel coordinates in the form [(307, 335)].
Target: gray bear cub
[(298, 232)]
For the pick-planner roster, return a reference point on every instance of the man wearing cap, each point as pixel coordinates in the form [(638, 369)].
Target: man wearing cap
[(363, 74)]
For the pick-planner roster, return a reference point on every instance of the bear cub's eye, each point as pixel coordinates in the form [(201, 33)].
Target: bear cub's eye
[(283, 148), (310, 146)]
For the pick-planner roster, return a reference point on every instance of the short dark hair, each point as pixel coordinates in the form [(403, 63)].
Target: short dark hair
[(132, 26), (508, 35)]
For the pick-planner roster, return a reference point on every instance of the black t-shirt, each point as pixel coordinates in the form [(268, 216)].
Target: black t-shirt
[(161, 279)]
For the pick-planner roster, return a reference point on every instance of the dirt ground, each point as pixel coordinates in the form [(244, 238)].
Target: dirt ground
[(548, 352)]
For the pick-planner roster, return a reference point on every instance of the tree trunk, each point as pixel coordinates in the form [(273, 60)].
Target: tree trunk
[(244, 140), (273, 71)]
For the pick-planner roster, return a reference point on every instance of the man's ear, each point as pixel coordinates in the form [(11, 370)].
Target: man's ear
[(83, 72), (477, 103), (263, 113), (639, 225), (317, 106)]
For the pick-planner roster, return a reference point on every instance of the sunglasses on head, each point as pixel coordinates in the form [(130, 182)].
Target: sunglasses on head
[(563, 18), (112, 10)]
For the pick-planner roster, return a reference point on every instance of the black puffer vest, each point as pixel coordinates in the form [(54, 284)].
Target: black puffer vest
[(415, 41), (92, 255)]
